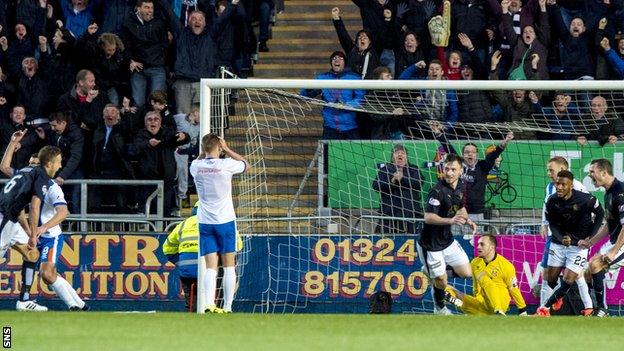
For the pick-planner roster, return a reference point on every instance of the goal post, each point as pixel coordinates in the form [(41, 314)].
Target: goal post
[(322, 228)]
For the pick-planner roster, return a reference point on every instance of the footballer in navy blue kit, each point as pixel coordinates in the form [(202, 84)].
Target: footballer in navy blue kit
[(28, 185), (572, 216), (436, 247), (611, 255)]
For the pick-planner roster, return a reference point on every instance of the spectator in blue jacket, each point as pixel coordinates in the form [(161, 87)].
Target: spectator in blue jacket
[(78, 15), (615, 60), (338, 123)]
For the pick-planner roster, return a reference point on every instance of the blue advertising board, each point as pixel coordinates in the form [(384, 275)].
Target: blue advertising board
[(313, 274)]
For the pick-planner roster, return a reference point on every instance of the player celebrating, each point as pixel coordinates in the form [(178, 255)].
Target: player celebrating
[(555, 165), (217, 226), (436, 246), (25, 186), (611, 255), (572, 216), (475, 171), (494, 280)]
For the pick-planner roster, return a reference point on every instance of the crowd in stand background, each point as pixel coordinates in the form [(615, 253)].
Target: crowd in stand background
[(487, 39), (115, 85)]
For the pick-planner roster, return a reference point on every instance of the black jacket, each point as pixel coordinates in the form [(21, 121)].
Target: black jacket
[(404, 59), (109, 72), (195, 54), (474, 106), (33, 94), (356, 60), (71, 143), (146, 42), (113, 14), (606, 128), (399, 199), (89, 113), (473, 19), (474, 179), (116, 146), (372, 14), (157, 162)]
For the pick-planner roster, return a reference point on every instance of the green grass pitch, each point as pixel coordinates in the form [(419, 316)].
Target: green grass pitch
[(102, 331)]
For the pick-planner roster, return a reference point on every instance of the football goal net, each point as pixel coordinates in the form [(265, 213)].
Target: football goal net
[(332, 207)]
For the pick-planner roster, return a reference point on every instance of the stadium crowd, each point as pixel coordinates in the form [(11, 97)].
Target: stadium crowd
[(115, 85), (481, 39)]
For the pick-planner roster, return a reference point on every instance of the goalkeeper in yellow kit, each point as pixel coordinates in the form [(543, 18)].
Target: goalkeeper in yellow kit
[(494, 283)]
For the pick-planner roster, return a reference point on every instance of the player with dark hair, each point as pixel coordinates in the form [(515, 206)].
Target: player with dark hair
[(554, 165), (475, 171), (611, 256), (436, 247), (572, 216), (494, 283)]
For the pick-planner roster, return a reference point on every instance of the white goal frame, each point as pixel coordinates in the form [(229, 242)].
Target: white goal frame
[(210, 87)]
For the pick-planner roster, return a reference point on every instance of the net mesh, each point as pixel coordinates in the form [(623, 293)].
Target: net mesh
[(335, 228)]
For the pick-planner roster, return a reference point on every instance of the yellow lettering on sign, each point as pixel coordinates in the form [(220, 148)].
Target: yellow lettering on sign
[(101, 247), (132, 251), (142, 286), (159, 282), (86, 284), (70, 254), (5, 288), (17, 282), (119, 291), (15, 259), (102, 282), (417, 284)]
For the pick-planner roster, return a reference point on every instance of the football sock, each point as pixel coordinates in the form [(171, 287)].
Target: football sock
[(28, 275), (584, 292), (62, 291), (598, 282), (72, 292), (210, 285), (558, 293), (229, 285), (438, 297), (553, 284), (545, 292)]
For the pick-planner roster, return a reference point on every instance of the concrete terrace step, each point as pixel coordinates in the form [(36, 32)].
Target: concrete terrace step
[(304, 44), (310, 31), (273, 55), (317, 15), (273, 211), (292, 66), (340, 3)]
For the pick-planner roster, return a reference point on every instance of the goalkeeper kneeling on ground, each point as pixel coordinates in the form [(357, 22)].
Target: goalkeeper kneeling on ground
[(494, 283)]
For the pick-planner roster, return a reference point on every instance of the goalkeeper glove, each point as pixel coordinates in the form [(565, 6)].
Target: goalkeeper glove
[(522, 312)]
